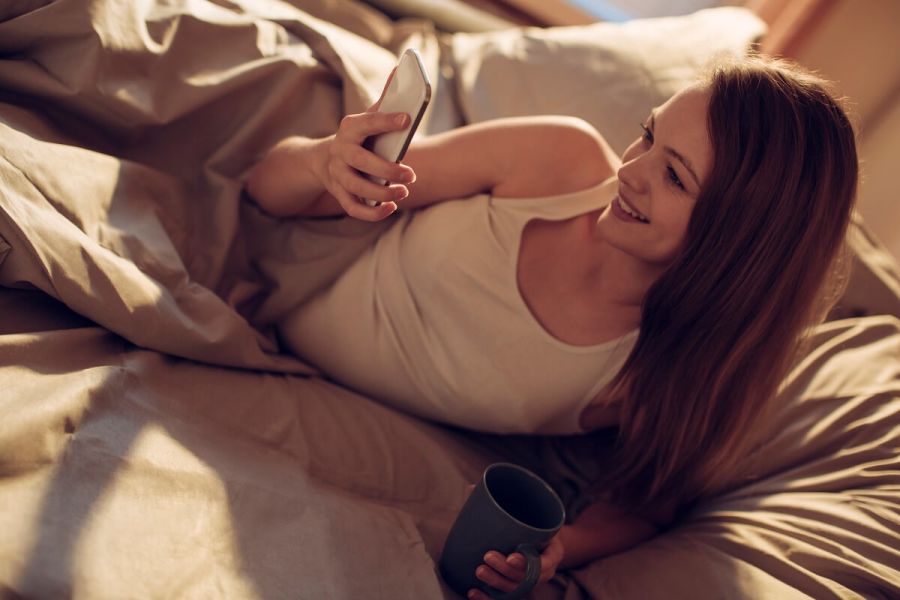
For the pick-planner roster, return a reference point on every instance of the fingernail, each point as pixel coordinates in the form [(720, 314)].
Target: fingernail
[(401, 119), (471, 594)]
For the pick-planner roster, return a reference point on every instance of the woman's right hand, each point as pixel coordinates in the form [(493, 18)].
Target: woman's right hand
[(347, 162)]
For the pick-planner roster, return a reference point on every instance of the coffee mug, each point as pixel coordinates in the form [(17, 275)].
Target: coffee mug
[(510, 510)]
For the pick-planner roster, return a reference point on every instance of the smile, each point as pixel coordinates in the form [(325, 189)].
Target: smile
[(629, 210)]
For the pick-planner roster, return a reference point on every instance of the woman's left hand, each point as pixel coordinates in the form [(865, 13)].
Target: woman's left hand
[(505, 572)]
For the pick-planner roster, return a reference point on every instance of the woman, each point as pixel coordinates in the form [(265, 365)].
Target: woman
[(678, 280)]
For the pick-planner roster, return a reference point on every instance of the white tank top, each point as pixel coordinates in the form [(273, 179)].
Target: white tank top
[(430, 320)]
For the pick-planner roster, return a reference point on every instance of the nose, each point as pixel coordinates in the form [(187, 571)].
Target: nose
[(632, 174)]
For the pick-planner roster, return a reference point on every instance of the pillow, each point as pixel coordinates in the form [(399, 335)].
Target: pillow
[(612, 75), (874, 284), (606, 73)]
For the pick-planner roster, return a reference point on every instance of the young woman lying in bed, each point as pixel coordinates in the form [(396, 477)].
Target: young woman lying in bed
[(544, 285)]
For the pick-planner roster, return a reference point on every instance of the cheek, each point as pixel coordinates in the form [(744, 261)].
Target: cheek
[(661, 242), (679, 218), (676, 222)]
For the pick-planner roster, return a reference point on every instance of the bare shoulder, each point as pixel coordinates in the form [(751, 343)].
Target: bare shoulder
[(555, 155), (514, 157)]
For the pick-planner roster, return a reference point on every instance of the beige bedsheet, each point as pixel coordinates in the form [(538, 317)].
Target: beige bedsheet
[(155, 443)]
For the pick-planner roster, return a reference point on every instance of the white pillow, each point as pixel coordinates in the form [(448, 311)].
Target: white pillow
[(606, 73)]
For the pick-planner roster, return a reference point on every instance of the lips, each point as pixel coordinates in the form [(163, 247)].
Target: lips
[(627, 210)]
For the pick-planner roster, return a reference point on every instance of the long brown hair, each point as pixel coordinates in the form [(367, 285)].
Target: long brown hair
[(722, 325)]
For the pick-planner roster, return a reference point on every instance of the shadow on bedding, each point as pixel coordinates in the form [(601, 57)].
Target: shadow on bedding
[(139, 475)]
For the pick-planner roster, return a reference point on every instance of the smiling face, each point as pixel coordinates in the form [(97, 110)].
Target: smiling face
[(660, 179)]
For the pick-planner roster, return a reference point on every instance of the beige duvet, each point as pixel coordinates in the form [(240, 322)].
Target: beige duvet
[(155, 443)]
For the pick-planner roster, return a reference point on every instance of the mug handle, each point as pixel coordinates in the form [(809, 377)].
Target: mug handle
[(532, 574)]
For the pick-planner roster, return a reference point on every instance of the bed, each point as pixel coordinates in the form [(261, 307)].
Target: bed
[(155, 440)]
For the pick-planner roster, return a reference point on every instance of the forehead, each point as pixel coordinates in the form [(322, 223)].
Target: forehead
[(681, 123)]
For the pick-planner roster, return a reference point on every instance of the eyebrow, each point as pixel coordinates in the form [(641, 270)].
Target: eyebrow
[(675, 153)]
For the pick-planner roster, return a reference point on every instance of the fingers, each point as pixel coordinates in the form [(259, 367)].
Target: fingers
[(368, 162), (501, 572), (356, 209), (348, 186), (350, 190), (511, 567), (505, 572), (495, 579), (356, 128), (363, 187), (348, 162)]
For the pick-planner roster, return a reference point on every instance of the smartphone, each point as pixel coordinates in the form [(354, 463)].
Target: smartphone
[(409, 92)]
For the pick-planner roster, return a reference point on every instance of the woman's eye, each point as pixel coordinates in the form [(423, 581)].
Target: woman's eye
[(647, 135), (673, 177)]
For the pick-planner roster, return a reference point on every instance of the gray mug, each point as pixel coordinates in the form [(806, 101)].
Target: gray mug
[(510, 510)]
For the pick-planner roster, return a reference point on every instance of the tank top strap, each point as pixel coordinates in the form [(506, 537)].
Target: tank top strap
[(560, 206)]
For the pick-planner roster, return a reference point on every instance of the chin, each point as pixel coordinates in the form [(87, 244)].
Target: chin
[(626, 240), (610, 230)]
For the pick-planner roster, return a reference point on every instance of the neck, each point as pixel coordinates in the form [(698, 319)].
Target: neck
[(621, 278)]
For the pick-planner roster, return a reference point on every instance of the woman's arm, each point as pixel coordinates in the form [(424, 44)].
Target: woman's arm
[(319, 177), (509, 157), (600, 530), (524, 156)]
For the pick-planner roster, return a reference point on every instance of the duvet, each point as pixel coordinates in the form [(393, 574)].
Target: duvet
[(156, 440)]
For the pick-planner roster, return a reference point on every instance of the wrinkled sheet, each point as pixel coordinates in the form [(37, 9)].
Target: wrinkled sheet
[(154, 441)]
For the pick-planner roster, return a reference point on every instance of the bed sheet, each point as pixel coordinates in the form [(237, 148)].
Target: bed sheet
[(154, 442)]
